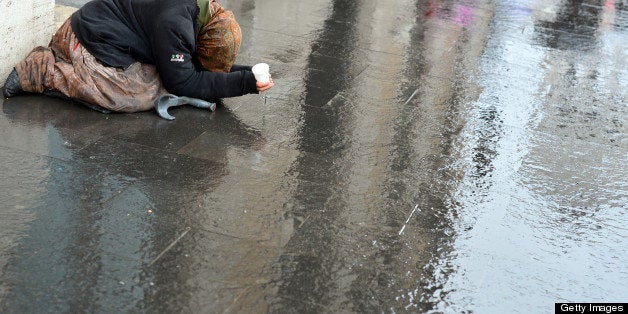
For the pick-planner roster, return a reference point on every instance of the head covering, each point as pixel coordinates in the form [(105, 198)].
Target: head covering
[(204, 13), (219, 39)]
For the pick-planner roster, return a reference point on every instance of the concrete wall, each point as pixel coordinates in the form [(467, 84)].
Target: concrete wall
[(24, 24)]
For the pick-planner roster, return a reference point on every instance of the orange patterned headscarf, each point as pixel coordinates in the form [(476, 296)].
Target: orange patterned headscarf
[(219, 39)]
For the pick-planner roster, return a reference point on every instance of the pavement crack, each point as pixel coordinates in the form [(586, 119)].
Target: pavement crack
[(169, 246)]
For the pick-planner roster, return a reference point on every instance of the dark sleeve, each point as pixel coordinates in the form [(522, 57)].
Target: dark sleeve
[(172, 49), (238, 67)]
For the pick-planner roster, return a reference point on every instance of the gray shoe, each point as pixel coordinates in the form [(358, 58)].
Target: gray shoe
[(12, 85)]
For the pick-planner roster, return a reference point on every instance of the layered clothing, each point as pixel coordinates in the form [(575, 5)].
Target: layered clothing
[(119, 47)]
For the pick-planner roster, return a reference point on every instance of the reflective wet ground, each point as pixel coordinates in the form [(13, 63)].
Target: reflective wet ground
[(414, 156)]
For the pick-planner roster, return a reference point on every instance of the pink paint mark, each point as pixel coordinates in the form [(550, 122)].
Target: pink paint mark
[(464, 15)]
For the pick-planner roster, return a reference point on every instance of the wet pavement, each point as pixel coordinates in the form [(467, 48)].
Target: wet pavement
[(414, 156)]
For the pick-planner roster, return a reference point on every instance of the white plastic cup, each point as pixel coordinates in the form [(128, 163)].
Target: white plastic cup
[(262, 72)]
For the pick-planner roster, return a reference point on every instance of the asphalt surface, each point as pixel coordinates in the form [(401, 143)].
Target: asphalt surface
[(414, 156)]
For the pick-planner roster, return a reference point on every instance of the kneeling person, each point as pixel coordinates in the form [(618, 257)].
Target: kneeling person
[(121, 55)]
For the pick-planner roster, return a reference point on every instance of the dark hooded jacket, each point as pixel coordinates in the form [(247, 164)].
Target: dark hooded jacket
[(159, 32)]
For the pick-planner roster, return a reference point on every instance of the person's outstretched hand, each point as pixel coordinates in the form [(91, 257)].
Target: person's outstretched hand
[(265, 86)]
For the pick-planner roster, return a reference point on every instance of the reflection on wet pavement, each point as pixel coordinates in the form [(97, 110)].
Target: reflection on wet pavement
[(414, 156)]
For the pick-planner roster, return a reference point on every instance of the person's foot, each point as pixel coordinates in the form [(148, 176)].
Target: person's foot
[(12, 85)]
